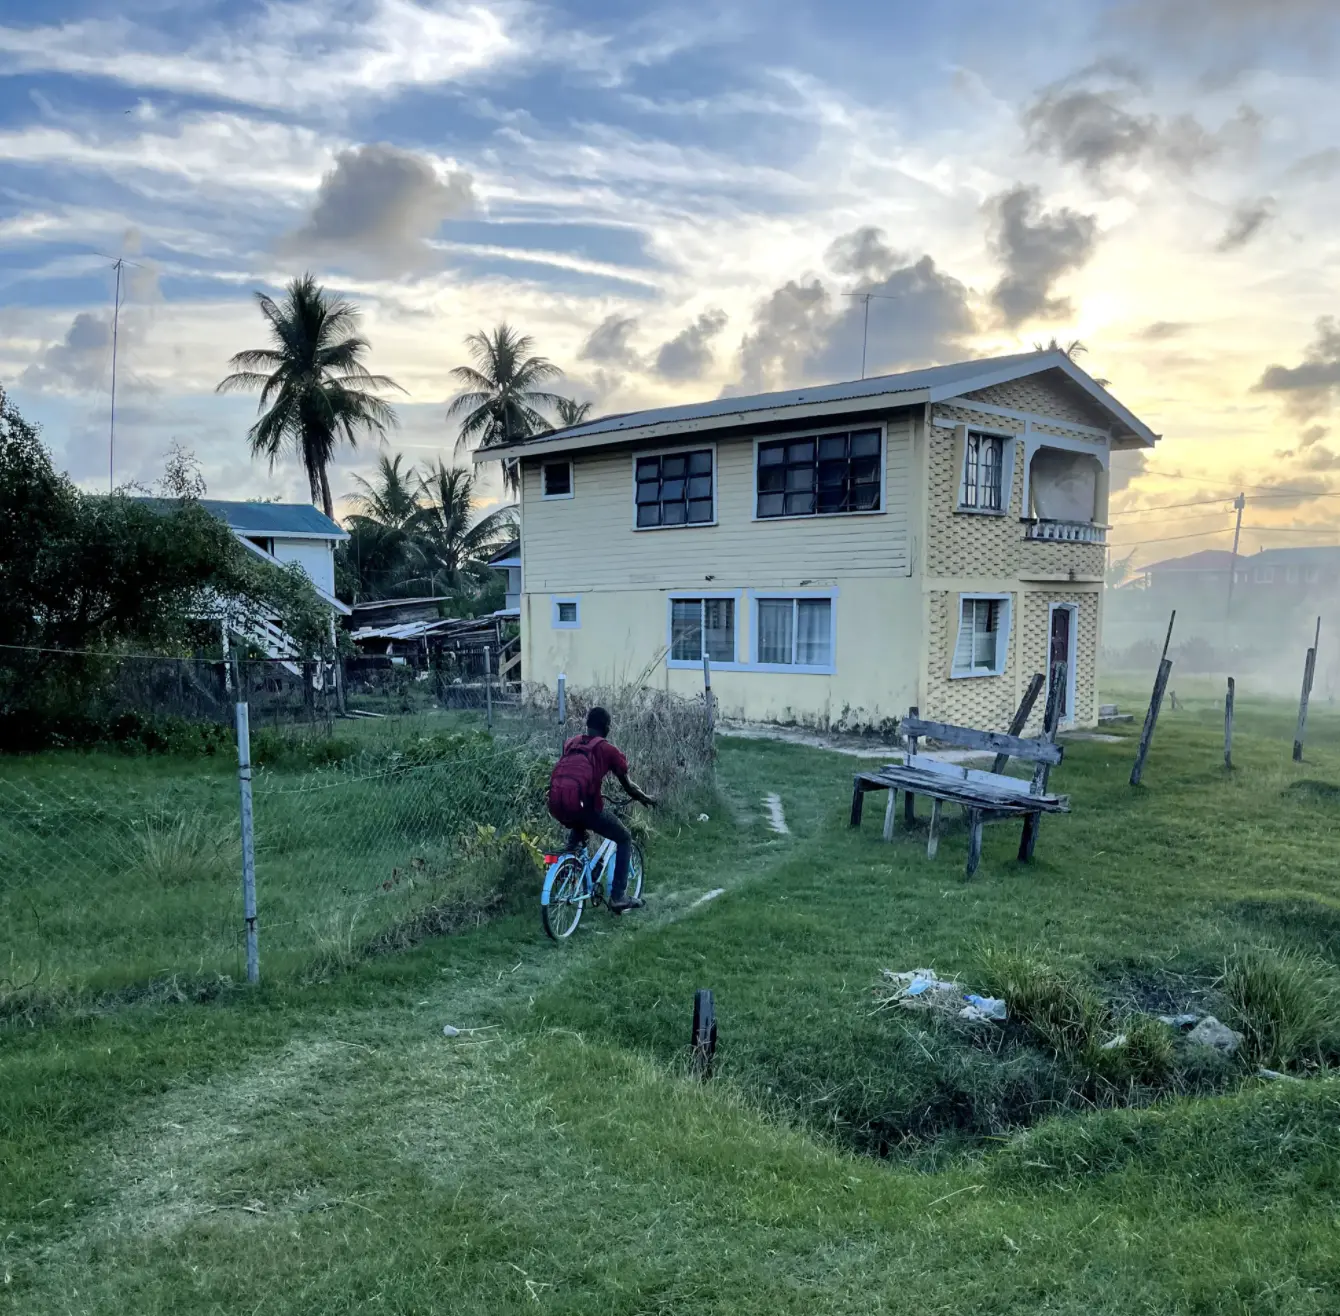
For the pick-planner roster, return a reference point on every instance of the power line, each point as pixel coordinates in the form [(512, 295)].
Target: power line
[(1167, 539), (1262, 490), (1169, 507)]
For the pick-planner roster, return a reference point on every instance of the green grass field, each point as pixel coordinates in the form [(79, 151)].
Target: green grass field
[(321, 1147)]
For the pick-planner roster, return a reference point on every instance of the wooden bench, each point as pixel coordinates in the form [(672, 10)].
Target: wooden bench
[(985, 796)]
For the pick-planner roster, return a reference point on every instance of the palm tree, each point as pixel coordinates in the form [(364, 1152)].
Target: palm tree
[(315, 389), (454, 548), (391, 497), (502, 397), (1072, 351), (571, 412)]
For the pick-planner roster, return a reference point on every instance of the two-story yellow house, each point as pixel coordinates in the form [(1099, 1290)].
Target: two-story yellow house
[(837, 553)]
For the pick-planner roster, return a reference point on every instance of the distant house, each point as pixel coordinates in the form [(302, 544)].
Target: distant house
[(508, 559), (1274, 572), (283, 533), (836, 553)]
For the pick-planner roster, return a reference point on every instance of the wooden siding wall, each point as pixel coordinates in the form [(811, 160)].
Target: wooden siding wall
[(587, 542)]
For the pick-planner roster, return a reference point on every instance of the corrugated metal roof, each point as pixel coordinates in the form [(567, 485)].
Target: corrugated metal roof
[(274, 518)]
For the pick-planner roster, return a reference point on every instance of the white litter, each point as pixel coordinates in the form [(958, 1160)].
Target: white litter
[(710, 895), (1113, 1043), (449, 1031), (776, 818), (921, 989), (702, 817)]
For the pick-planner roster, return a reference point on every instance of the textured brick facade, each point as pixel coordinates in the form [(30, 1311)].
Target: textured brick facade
[(972, 552)]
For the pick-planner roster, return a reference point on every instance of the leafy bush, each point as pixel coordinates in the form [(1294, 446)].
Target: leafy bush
[(1284, 1003)]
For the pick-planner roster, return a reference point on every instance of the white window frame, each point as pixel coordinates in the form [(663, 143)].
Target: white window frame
[(545, 495), (688, 525), (554, 619), (1072, 647), (881, 510), (696, 664), (1265, 575), (793, 596), (1008, 454), (1003, 633)]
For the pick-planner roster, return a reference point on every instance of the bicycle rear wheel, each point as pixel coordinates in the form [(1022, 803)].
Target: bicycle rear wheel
[(562, 900)]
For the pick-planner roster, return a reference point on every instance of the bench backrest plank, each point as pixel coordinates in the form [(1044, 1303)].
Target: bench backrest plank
[(1015, 785), (989, 742)]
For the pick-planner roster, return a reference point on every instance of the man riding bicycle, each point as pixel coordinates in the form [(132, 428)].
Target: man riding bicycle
[(575, 798)]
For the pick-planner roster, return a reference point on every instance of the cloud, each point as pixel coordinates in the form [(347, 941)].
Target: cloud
[(1310, 387), (1087, 119), (608, 344), (862, 252), (1161, 330), (1036, 247), (918, 314), (1248, 219), (1313, 434), (689, 353), (80, 363), (381, 202)]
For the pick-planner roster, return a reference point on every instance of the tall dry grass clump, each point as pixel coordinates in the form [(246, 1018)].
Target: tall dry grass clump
[(667, 738), (1286, 1004)]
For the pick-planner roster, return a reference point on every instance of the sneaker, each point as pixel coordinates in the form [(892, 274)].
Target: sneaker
[(618, 906)]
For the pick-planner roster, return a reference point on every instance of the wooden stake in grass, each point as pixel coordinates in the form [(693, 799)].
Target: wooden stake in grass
[(1051, 719), (1228, 726), (704, 1039), (1155, 703), (1021, 715), (910, 800), (1309, 671)]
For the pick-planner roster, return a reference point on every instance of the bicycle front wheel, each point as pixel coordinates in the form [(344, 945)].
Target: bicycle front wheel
[(635, 869), (562, 900)]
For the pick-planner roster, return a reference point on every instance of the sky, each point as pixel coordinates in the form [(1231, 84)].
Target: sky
[(674, 201)]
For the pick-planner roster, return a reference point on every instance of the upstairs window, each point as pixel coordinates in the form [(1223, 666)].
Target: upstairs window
[(701, 627), (819, 476), (556, 479), (675, 489), (983, 467), (983, 636)]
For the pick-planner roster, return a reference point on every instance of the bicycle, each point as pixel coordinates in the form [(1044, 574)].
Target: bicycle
[(576, 879)]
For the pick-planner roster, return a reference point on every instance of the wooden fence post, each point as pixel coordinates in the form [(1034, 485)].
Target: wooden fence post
[(1051, 719), (1228, 726), (1021, 716), (1309, 672), (709, 699), (1151, 718)]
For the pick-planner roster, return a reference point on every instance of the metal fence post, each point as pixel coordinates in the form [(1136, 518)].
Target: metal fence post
[(248, 841), (488, 687), (707, 693), (562, 707)]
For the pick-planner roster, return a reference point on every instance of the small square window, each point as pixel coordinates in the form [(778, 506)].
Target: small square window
[(556, 478), (567, 615), (674, 489)]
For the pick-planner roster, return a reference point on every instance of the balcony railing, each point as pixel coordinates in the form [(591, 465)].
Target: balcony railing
[(1066, 532)]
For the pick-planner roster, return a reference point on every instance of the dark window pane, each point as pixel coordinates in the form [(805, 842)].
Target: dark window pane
[(800, 452), (719, 629), (800, 477), (700, 509), (649, 493), (649, 514), (772, 480), (865, 497), (770, 504), (700, 463), (557, 479), (832, 500), (771, 454), (648, 468), (865, 468), (832, 474), (865, 444), (832, 446), (799, 504), (672, 513), (674, 468), (672, 491), (700, 486), (686, 629)]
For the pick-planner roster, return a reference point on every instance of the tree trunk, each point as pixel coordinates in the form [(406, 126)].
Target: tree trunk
[(327, 505)]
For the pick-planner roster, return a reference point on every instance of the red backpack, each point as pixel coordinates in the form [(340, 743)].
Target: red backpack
[(575, 781)]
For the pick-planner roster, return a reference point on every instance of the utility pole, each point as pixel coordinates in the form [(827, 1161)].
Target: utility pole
[(111, 436), (1238, 503)]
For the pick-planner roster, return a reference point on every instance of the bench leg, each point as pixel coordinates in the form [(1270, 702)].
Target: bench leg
[(933, 836), (857, 800), (909, 809), (974, 840), (890, 813), (1029, 837)]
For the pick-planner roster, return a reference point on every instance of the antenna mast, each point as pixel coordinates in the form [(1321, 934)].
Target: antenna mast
[(111, 434)]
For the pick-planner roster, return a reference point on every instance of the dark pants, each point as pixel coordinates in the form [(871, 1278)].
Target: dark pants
[(604, 823)]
